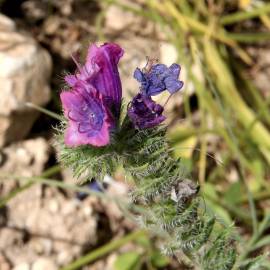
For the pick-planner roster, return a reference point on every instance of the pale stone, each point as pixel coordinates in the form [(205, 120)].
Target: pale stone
[(117, 19), (168, 54), (53, 206), (26, 158), (22, 266), (64, 257), (6, 23), (4, 264), (61, 235), (44, 264), (25, 70), (87, 210)]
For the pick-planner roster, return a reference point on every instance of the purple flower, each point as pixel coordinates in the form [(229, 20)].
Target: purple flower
[(144, 112), (90, 120), (158, 78), (100, 70), (92, 105)]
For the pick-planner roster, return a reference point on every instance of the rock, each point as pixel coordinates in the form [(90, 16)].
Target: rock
[(22, 266), (3, 216), (9, 237), (41, 246), (26, 158), (55, 227), (34, 10), (53, 206), (118, 19), (4, 264), (259, 74), (64, 257), (51, 25), (126, 23), (24, 74), (110, 261), (168, 53), (6, 24), (44, 264)]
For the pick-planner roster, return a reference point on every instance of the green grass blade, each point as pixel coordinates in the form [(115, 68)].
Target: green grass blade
[(31, 181), (104, 250), (244, 15)]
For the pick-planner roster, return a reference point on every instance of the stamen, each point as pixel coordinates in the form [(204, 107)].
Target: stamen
[(149, 63), (85, 130), (167, 100), (76, 62)]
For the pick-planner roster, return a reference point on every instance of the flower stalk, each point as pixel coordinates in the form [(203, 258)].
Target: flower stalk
[(95, 147)]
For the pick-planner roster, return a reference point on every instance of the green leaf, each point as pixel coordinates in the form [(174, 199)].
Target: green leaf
[(256, 182), (219, 211), (253, 263), (158, 260), (209, 190), (143, 241), (128, 261), (263, 242), (234, 193)]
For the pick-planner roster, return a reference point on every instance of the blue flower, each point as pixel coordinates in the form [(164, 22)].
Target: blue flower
[(159, 78), (94, 185), (143, 111)]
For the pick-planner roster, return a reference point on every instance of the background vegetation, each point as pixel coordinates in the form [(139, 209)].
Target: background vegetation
[(224, 133)]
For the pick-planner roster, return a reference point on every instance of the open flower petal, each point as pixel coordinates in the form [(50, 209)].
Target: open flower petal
[(89, 121), (159, 78), (107, 79)]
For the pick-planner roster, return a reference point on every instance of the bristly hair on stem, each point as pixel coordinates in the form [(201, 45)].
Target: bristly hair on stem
[(93, 141), (172, 201)]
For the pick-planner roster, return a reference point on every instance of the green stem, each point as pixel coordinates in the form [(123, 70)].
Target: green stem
[(256, 236), (45, 111), (104, 250), (122, 204), (244, 15), (188, 23), (258, 196), (252, 206), (249, 37), (51, 171), (235, 211), (226, 86), (258, 102)]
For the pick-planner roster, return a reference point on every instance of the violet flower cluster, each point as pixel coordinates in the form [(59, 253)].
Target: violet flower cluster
[(92, 105), (92, 102), (143, 111)]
